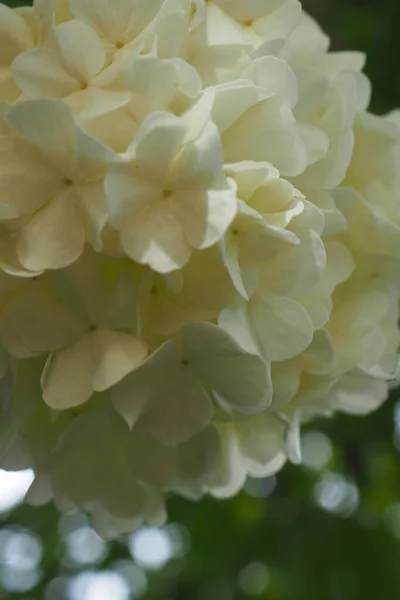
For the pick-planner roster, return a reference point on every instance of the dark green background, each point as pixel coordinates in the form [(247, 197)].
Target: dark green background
[(310, 553)]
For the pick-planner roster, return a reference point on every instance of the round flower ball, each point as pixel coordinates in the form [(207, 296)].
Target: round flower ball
[(199, 247)]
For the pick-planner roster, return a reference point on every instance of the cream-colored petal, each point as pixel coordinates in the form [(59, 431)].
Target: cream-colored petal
[(45, 123), (35, 322), (238, 380), (81, 48), (206, 215), (117, 354), (68, 376), (54, 237), (164, 400), (282, 327), (27, 179), (42, 72), (155, 237)]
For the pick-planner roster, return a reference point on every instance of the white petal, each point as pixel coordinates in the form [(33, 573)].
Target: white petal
[(358, 394), (157, 141), (41, 72), (230, 256), (199, 455), (98, 102), (120, 311), (282, 326), (15, 35), (277, 77), (152, 462), (117, 354), (205, 216), (108, 17), (229, 478), (117, 20), (197, 118), (286, 382), (200, 162), (315, 141), (157, 82), (34, 322), (44, 123), (235, 321), (262, 442), (81, 48), (266, 132), (54, 237), (155, 237), (68, 375), (173, 404), (239, 96), (27, 179), (239, 380)]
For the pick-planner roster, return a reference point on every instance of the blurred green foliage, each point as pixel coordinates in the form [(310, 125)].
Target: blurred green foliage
[(329, 530)]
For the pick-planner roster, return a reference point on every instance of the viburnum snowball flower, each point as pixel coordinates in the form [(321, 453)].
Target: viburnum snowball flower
[(199, 247)]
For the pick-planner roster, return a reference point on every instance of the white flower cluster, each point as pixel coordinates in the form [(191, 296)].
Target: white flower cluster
[(199, 246)]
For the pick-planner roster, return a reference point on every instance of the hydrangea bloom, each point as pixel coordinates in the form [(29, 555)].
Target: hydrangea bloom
[(199, 247)]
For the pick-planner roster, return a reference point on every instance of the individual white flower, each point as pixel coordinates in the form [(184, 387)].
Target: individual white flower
[(153, 84), (120, 23), (299, 378), (266, 206), (93, 445), (298, 267), (173, 196), (249, 243), (105, 349), (253, 23), (160, 84), (253, 447), (355, 327), (71, 68), (52, 176), (275, 327), (259, 124), (171, 395)]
